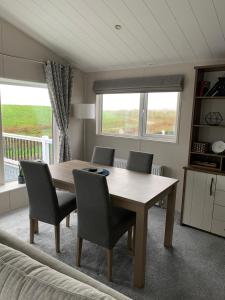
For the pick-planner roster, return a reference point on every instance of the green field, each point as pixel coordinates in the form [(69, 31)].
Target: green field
[(27, 120), (37, 121), (126, 122)]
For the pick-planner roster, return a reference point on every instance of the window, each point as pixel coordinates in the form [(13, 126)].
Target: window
[(120, 114), (162, 114), (146, 115), (26, 126)]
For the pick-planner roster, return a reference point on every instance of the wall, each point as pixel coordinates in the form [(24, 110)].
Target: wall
[(16, 43), (172, 156), (76, 126)]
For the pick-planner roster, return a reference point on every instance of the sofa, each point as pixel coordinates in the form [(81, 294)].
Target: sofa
[(27, 273)]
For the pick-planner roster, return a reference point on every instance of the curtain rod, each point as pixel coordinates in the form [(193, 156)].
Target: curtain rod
[(23, 58)]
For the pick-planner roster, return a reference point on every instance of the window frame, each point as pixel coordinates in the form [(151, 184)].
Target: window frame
[(55, 131), (142, 135)]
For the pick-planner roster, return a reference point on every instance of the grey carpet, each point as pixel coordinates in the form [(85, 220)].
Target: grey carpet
[(193, 269)]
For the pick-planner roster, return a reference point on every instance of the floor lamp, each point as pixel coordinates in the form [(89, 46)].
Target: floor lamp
[(85, 112)]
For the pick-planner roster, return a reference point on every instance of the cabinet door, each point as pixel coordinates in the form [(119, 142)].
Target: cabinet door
[(199, 199), (220, 190)]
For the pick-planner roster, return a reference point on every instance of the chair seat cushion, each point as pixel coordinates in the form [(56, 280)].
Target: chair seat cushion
[(119, 215), (122, 220), (21, 277), (67, 202)]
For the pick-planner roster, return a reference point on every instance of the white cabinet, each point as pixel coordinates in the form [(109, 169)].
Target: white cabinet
[(204, 201)]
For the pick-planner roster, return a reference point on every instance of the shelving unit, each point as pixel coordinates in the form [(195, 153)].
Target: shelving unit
[(203, 202), (200, 130)]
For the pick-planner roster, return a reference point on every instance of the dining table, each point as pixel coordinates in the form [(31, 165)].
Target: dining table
[(133, 191)]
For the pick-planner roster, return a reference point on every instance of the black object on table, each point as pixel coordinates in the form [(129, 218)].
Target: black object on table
[(100, 171)]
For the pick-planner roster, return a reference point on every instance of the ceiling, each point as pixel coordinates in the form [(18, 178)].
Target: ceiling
[(154, 32)]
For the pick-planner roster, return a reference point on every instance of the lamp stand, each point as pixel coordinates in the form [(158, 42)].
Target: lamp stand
[(84, 140)]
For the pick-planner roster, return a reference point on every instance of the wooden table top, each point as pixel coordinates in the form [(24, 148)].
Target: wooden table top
[(132, 186)]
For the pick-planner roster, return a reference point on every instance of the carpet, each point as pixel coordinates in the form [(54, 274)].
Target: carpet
[(193, 269)]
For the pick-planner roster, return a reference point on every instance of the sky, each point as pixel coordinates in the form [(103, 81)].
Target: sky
[(156, 101), (23, 95)]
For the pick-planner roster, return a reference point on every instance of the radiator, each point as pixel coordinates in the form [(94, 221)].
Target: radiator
[(122, 163)]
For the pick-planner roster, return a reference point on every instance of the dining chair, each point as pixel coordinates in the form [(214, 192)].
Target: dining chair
[(103, 156), (98, 220), (46, 204), (140, 162)]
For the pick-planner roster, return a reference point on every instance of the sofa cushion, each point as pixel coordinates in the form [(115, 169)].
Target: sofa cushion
[(23, 278)]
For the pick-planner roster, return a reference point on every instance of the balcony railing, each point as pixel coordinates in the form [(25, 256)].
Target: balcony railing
[(18, 147)]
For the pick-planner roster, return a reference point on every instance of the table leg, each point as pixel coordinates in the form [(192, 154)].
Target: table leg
[(140, 247), (170, 218)]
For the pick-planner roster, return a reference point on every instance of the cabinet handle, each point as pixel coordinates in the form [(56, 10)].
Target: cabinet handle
[(210, 192)]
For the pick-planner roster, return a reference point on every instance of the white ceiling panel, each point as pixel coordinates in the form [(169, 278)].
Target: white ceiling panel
[(111, 19), (187, 23), (149, 25), (96, 20), (220, 12), (153, 31), (165, 18), (205, 13), (131, 21)]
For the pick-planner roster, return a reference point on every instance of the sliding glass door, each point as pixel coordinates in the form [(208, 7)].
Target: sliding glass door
[(26, 125)]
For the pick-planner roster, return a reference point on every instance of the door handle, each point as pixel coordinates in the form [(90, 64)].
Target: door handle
[(211, 184)]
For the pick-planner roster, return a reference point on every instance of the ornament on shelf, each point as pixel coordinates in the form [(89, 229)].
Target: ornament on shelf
[(214, 118), (218, 147)]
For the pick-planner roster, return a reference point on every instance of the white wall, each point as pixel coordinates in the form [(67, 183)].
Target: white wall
[(172, 156), (76, 126), (16, 43)]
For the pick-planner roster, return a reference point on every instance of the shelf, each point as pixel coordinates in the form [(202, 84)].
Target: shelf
[(208, 154), (203, 168), (211, 98), (208, 126)]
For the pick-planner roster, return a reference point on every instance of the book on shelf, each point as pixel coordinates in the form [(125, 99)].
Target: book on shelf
[(204, 86), (218, 89)]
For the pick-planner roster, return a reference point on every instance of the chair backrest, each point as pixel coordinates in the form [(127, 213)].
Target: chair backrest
[(103, 156), (140, 162), (93, 206), (43, 202)]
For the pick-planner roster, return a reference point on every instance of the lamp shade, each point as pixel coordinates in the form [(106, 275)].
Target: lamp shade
[(85, 111)]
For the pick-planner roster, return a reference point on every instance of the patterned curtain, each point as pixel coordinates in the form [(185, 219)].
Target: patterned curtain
[(59, 80)]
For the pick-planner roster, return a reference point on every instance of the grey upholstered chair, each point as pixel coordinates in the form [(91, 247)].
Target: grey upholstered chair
[(45, 203), (98, 221), (140, 162), (103, 156)]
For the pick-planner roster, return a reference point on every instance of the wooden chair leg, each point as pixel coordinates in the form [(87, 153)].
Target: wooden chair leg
[(36, 227), (57, 238), (109, 264), (129, 239), (32, 229), (68, 221), (79, 250)]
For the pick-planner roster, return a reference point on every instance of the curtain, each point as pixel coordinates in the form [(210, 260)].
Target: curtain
[(59, 81), (169, 83)]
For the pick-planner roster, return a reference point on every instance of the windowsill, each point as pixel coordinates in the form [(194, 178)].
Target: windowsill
[(10, 186), (145, 138)]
